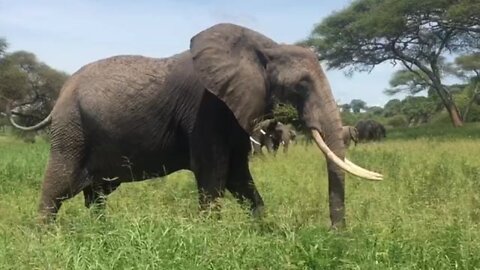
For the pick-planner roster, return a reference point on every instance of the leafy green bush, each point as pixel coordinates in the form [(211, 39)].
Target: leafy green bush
[(397, 121)]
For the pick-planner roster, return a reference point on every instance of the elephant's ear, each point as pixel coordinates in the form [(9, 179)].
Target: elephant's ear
[(230, 64)]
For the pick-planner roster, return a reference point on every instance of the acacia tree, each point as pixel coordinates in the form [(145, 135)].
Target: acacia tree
[(3, 46), (416, 34), (469, 69), (32, 85), (357, 105)]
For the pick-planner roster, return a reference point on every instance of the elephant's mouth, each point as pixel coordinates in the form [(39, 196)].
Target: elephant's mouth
[(346, 164)]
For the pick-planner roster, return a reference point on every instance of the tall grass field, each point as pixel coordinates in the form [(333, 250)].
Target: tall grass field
[(424, 215)]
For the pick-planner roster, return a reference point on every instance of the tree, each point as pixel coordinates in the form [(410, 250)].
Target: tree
[(392, 107), (417, 109), (357, 105), (287, 114), (345, 107), (32, 85), (3, 46), (416, 34), (469, 69), (375, 110)]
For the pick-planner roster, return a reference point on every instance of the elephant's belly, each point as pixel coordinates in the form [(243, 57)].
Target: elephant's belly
[(112, 162)]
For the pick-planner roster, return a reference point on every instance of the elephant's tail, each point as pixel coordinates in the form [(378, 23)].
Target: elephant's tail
[(38, 126)]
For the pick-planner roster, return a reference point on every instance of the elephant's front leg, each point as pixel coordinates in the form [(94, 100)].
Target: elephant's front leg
[(209, 163), (240, 182)]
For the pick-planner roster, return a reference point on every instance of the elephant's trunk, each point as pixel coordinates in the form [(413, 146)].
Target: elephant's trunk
[(323, 118)]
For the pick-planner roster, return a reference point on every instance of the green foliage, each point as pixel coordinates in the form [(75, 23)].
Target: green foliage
[(287, 114), (397, 121), (374, 110), (469, 63), (424, 215), (438, 129), (417, 34), (32, 85), (357, 105), (409, 82), (3, 46), (369, 32), (392, 107), (345, 107)]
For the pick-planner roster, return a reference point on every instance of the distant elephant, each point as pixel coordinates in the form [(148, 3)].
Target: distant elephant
[(349, 133), (271, 134), (282, 135), (262, 136), (370, 130), (131, 118)]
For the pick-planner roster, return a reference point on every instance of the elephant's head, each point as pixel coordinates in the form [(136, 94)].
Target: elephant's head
[(246, 69)]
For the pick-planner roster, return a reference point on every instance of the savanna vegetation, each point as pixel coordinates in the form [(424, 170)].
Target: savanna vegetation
[(424, 215)]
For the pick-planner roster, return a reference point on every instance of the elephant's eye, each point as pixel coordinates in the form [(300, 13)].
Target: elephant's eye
[(302, 87)]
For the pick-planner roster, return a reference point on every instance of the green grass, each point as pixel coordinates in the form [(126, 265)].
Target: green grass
[(424, 215), (438, 131)]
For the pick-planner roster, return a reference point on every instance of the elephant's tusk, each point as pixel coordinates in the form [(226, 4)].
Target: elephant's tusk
[(340, 163), (263, 132), (254, 141), (353, 165)]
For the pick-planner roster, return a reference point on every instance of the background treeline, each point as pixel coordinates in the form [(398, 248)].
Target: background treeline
[(28, 84), (436, 44)]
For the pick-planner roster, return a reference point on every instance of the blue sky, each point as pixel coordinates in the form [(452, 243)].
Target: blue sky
[(67, 34)]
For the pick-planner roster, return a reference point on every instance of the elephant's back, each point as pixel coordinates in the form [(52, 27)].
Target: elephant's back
[(121, 74), (118, 82)]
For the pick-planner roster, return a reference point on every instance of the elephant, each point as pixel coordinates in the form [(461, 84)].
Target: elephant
[(262, 136), (283, 135), (131, 118), (349, 133), (370, 130), (271, 134)]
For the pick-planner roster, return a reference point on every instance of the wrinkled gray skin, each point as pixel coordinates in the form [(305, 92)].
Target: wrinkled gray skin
[(130, 118), (349, 133)]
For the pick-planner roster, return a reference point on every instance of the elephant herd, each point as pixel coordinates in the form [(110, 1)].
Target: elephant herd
[(271, 134), (132, 118), (363, 131)]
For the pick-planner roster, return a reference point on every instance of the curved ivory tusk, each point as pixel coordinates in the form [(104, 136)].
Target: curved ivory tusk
[(353, 165), (340, 163), (254, 141)]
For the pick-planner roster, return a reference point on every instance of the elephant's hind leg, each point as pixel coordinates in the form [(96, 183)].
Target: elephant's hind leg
[(63, 180), (65, 175)]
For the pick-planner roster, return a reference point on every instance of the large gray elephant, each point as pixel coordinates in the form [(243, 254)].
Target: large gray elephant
[(130, 118)]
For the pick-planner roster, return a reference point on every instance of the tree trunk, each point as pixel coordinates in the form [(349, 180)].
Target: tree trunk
[(470, 103), (454, 115), (449, 104)]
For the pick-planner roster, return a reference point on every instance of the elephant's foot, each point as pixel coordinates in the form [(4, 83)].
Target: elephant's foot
[(47, 214), (258, 212)]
